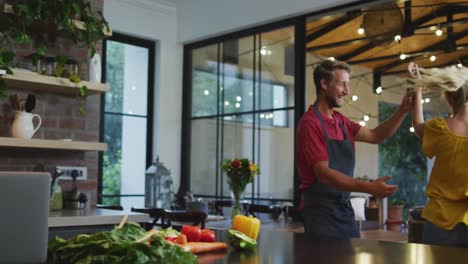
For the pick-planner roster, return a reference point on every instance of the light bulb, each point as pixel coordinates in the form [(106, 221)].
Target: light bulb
[(411, 129), (237, 105), (433, 58), (354, 98), (398, 38), (379, 90), (459, 65), (206, 92), (238, 98), (362, 123), (402, 56), (366, 118), (332, 58), (439, 32), (360, 31), (263, 51), (226, 103), (427, 100)]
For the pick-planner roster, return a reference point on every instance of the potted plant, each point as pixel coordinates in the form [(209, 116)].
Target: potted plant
[(395, 209)]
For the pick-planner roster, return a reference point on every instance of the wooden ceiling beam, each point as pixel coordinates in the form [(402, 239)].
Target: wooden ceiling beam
[(455, 22), (439, 45), (333, 25), (408, 30)]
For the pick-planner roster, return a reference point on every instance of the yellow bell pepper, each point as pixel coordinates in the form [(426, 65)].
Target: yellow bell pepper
[(248, 225)]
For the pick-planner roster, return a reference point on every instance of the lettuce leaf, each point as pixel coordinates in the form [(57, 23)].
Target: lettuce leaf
[(116, 246)]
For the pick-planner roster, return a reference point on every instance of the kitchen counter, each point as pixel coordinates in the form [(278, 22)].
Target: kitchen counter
[(92, 216), (68, 223), (296, 248)]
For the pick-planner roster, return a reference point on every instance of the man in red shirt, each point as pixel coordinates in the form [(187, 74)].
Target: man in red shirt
[(325, 155)]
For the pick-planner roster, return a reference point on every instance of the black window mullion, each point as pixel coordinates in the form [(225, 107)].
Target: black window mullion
[(150, 46)]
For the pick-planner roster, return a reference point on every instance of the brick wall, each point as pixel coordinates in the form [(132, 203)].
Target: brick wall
[(60, 119)]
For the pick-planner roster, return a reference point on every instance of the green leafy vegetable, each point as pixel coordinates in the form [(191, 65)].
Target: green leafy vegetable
[(117, 246)]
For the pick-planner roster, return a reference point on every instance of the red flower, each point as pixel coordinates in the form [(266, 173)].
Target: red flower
[(236, 164)]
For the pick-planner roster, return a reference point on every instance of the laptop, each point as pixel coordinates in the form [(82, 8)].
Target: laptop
[(24, 212)]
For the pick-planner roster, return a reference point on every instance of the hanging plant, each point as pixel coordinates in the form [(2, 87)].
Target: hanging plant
[(73, 19)]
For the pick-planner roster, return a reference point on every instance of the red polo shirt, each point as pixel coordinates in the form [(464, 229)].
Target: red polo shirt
[(310, 141)]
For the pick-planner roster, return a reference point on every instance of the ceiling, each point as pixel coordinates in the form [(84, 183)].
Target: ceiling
[(415, 21)]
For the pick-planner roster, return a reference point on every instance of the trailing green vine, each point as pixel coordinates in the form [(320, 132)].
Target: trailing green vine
[(60, 17)]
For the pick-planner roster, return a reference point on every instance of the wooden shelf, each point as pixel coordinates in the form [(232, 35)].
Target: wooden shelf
[(8, 9), (38, 82), (7, 142)]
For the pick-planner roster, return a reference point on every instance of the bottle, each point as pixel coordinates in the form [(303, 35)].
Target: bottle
[(56, 198)]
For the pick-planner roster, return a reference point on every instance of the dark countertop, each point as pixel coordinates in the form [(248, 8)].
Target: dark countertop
[(289, 247)]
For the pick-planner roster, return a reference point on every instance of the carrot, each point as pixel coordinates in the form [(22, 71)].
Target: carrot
[(201, 247), (181, 239)]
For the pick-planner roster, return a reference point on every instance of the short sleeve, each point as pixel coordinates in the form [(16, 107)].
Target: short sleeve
[(434, 129), (312, 143)]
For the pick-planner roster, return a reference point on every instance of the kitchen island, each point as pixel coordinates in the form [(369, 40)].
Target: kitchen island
[(70, 222), (290, 247)]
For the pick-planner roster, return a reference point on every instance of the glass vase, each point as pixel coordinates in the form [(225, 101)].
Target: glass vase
[(236, 203)]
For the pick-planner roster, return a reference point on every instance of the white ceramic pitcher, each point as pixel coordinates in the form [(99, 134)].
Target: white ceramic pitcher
[(23, 126)]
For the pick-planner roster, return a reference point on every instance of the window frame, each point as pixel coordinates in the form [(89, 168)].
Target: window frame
[(151, 46), (299, 95)]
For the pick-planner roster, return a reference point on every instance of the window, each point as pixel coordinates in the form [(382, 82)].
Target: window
[(127, 120), (243, 106)]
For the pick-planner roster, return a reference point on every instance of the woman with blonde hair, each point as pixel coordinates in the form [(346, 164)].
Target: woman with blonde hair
[(446, 139)]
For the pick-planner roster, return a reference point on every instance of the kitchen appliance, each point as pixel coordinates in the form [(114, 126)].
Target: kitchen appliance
[(74, 199)]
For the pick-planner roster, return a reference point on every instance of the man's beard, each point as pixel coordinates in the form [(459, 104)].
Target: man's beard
[(331, 101)]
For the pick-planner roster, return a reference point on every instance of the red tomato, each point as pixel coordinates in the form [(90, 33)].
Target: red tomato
[(193, 233), (172, 239), (207, 235)]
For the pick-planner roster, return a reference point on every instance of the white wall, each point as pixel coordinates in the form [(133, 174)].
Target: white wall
[(200, 19), (157, 21)]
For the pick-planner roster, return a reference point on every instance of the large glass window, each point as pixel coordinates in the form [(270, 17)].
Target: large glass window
[(127, 120), (243, 106)]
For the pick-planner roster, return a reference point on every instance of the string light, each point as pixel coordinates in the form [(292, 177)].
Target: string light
[(411, 129), (402, 56), (354, 98), (332, 58), (238, 98), (427, 100), (362, 123), (398, 38), (265, 51), (206, 92), (366, 118), (237, 105), (439, 32), (360, 31), (379, 90), (433, 58), (226, 103)]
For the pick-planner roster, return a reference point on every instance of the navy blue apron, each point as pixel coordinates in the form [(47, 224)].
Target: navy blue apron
[(327, 212)]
